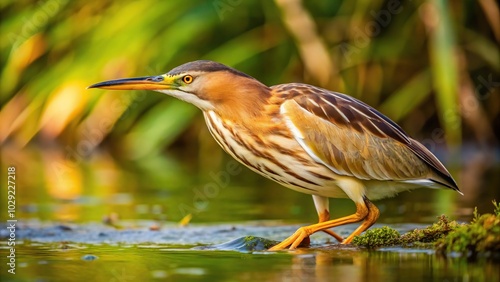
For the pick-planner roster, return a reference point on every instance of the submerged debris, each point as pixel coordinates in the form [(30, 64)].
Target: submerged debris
[(111, 219), (154, 227), (482, 235), (89, 257), (185, 220)]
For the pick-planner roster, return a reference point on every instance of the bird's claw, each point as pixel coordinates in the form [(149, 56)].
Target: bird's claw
[(298, 239)]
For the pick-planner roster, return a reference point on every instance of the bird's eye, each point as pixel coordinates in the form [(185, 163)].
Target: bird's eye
[(187, 79)]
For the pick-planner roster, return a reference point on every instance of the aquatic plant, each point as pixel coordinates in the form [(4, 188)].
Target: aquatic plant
[(480, 237)]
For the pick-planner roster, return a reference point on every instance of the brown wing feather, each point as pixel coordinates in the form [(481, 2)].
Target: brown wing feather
[(354, 139)]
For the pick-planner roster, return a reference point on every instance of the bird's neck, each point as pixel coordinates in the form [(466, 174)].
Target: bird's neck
[(239, 100)]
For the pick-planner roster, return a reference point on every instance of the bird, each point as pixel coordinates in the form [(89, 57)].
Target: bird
[(306, 138)]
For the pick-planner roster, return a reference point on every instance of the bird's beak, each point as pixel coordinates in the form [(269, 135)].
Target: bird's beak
[(159, 82)]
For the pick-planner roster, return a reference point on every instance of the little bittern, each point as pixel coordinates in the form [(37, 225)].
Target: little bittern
[(306, 138)]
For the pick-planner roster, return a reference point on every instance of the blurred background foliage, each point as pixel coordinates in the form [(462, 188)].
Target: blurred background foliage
[(432, 66)]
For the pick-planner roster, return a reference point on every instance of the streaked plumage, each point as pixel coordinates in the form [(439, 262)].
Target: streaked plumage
[(306, 138)]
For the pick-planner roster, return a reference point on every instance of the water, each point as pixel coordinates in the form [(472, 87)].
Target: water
[(62, 202), (96, 262)]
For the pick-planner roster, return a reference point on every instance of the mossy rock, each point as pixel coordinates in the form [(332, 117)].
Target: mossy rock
[(430, 234), (378, 237), (481, 236), (243, 244), (386, 236)]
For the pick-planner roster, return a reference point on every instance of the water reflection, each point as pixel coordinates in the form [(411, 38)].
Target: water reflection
[(57, 262), (395, 265), (55, 184)]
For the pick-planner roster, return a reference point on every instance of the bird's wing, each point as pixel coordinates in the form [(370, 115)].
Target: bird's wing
[(353, 139)]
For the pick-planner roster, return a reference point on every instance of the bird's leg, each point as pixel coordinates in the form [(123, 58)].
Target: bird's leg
[(322, 207), (370, 219), (362, 211)]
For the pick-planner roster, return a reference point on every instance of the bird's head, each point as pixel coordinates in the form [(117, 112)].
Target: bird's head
[(207, 85)]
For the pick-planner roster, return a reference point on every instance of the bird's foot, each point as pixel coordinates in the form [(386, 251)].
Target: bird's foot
[(299, 239), (333, 234), (348, 240)]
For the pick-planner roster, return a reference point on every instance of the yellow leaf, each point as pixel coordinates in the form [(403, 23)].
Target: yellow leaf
[(185, 220)]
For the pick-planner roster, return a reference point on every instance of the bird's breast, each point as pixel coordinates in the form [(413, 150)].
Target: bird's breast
[(271, 151)]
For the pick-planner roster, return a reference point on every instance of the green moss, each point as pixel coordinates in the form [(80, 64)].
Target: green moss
[(249, 238), (497, 208), (482, 235), (378, 237), (431, 233), (257, 243), (386, 236)]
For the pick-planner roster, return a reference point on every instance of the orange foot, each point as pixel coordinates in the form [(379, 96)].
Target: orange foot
[(364, 211)]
